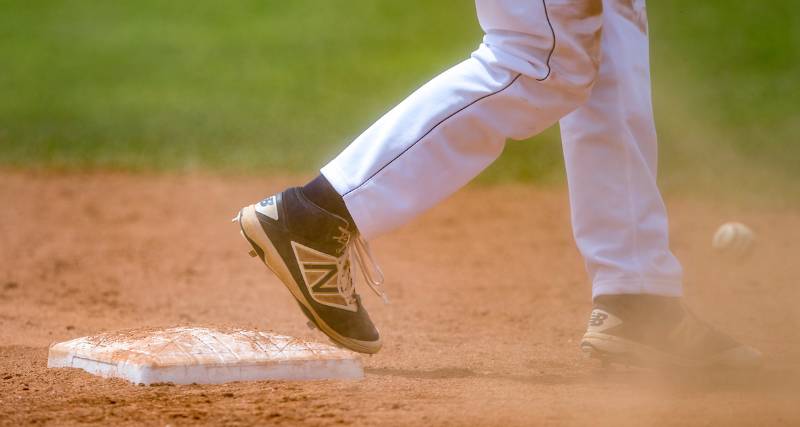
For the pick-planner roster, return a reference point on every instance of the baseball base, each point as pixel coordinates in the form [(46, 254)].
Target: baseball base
[(186, 355)]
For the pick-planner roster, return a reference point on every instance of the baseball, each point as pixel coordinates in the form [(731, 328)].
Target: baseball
[(733, 238)]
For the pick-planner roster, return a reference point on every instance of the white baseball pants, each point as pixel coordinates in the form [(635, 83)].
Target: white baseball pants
[(584, 63)]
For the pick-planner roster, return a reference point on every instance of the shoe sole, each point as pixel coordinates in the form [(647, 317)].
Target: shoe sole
[(613, 349), (251, 230)]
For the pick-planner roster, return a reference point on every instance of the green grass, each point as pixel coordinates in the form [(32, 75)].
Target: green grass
[(258, 86), (726, 91), (185, 84)]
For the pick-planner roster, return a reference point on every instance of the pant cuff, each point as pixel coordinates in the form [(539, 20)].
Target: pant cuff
[(655, 286)]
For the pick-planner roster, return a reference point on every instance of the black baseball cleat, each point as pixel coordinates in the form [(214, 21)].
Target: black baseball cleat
[(310, 250), (655, 331)]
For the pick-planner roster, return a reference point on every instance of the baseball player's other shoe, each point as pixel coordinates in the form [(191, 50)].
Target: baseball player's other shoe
[(649, 330), (310, 250)]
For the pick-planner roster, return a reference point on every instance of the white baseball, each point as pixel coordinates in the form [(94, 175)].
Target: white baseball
[(734, 238)]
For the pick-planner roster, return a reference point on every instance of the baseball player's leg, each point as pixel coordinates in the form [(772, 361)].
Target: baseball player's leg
[(619, 219), (537, 62)]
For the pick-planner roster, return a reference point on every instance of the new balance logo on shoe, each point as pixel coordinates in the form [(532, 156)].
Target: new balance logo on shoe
[(268, 207), (321, 276), (597, 318), (601, 320)]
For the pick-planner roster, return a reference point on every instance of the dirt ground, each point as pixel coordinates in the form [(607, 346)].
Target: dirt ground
[(489, 300)]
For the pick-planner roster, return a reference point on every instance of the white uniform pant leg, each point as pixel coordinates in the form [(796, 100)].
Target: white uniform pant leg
[(537, 62), (619, 219)]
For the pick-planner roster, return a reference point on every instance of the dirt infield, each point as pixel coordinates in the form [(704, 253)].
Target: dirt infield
[(489, 300)]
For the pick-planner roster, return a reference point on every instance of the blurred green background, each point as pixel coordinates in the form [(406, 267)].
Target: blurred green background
[(259, 86)]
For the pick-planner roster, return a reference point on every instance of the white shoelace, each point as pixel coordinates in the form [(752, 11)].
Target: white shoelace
[(359, 250)]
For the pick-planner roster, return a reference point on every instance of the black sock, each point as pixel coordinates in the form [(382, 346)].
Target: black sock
[(321, 192)]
